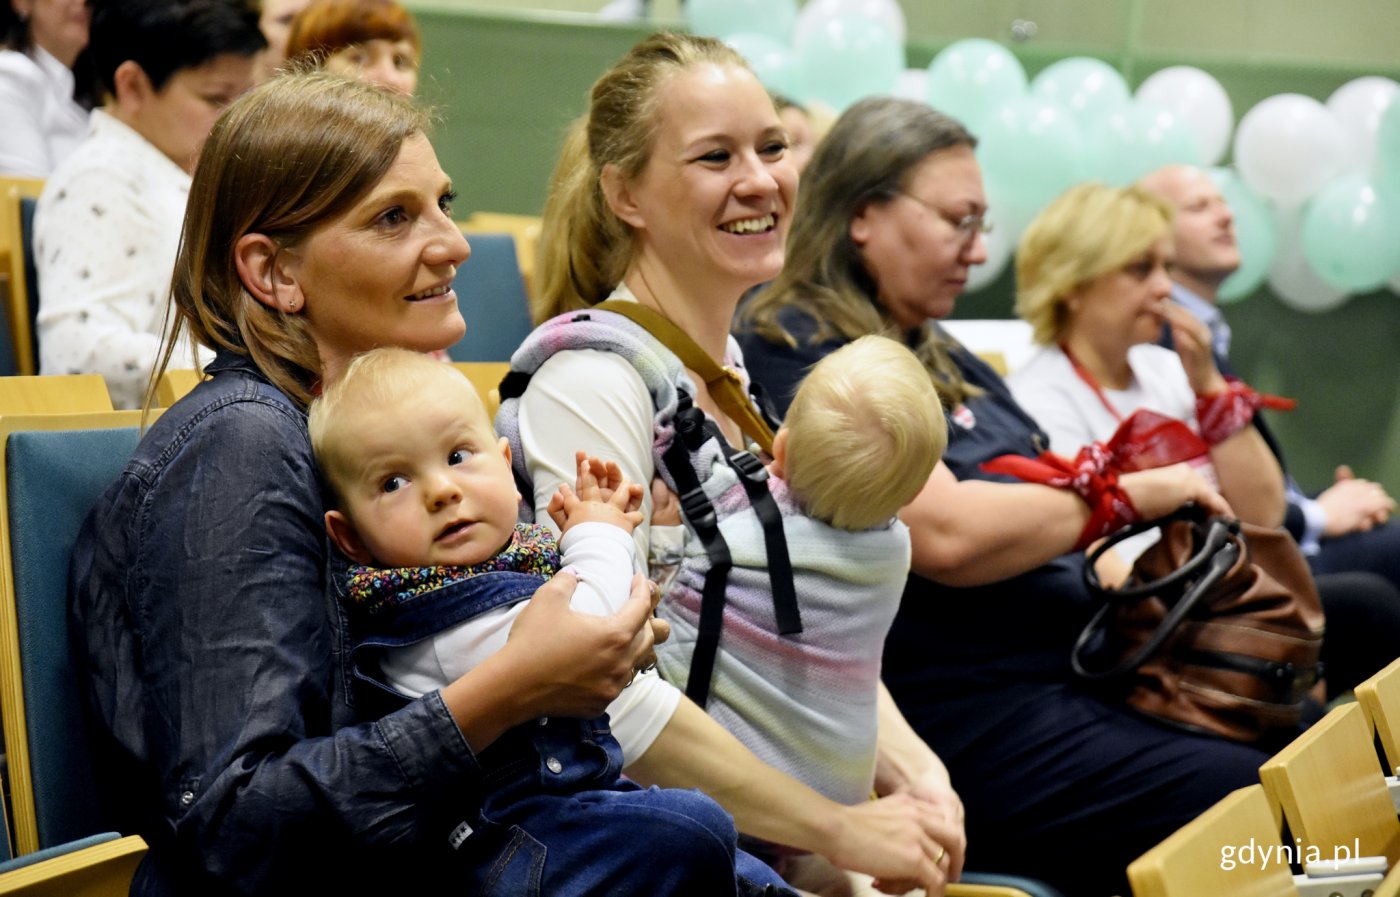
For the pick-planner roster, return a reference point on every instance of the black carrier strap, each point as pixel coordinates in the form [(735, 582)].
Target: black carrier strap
[(692, 429), (754, 476), (700, 514)]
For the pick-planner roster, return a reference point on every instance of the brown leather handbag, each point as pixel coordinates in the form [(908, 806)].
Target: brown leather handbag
[(1218, 628)]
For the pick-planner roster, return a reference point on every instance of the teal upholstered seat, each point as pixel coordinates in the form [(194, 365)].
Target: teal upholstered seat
[(491, 295), (55, 468)]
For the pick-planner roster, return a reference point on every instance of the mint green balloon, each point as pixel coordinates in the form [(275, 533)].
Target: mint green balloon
[(1033, 149), (1135, 139), (721, 18), (1350, 234), (1089, 88), (773, 62), (846, 58), (1388, 148), (1256, 234), (970, 79)]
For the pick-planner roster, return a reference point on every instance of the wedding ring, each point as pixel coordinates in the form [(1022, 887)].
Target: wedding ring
[(942, 852)]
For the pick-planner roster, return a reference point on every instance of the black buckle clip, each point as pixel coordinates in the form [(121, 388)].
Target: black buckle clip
[(696, 506)]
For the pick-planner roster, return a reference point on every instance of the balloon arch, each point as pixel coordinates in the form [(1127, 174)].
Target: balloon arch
[(1315, 186)]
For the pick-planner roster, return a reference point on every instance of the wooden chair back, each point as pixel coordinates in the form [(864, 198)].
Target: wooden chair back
[(486, 377), (175, 384), (16, 266), (1331, 791), (1379, 697), (54, 394), (1202, 857)]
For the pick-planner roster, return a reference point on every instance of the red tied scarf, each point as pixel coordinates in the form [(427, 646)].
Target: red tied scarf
[(1223, 414), (1145, 440)]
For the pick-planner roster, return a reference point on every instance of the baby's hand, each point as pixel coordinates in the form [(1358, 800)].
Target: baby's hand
[(601, 494)]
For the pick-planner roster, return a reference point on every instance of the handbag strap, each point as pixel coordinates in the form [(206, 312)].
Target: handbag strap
[(1215, 537), (1221, 550), (724, 384)]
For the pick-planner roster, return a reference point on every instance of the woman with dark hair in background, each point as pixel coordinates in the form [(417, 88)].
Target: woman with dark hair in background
[(107, 227)]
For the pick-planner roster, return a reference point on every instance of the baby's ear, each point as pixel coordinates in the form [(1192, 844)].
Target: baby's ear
[(778, 465), (505, 451), (347, 538)]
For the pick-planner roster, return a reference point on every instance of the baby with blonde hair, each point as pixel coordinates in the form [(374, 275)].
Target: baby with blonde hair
[(860, 439), (425, 504), (871, 405)]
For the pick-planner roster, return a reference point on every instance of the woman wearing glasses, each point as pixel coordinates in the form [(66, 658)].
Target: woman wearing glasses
[(888, 222)]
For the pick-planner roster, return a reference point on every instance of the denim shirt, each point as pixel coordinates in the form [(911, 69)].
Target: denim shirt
[(217, 669)]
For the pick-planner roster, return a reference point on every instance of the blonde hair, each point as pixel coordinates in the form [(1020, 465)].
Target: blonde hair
[(1090, 230), (375, 379), (286, 158), (864, 432), (868, 156), (584, 249)]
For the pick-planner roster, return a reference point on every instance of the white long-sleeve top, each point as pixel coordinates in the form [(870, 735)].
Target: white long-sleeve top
[(106, 234), (42, 124), (603, 557)]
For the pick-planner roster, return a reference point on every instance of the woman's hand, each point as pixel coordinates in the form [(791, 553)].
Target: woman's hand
[(539, 673), (1157, 492), (902, 841), (1191, 338)]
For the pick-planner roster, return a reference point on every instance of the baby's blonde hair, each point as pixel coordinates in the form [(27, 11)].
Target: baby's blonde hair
[(864, 432), (372, 380)]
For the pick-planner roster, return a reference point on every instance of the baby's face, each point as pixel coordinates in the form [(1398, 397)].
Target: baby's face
[(432, 484)]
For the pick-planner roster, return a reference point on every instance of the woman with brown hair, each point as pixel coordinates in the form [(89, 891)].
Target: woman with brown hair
[(319, 225)]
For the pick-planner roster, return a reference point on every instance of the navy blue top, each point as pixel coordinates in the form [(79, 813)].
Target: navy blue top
[(951, 644), (218, 675)]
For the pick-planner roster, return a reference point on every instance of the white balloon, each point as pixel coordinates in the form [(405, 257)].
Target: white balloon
[(1291, 278), (1197, 99), (887, 12), (1288, 146), (1358, 106)]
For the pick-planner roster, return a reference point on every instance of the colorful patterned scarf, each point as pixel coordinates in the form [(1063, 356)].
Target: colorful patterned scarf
[(373, 590)]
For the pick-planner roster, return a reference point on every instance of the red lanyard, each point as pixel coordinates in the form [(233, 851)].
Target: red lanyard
[(1091, 381)]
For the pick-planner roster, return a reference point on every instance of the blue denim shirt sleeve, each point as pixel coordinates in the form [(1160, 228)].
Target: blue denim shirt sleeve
[(214, 655)]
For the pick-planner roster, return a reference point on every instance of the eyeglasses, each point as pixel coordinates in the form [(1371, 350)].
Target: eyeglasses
[(967, 226)]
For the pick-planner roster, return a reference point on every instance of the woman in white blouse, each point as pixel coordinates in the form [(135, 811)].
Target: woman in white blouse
[(107, 227), (1093, 279), (43, 121)]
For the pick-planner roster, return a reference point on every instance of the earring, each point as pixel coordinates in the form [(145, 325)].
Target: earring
[(291, 306)]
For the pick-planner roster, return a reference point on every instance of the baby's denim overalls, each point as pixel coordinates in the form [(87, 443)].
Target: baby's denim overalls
[(555, 817)]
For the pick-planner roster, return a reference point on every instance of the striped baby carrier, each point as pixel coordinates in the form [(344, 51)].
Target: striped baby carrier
[(711, 478)]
